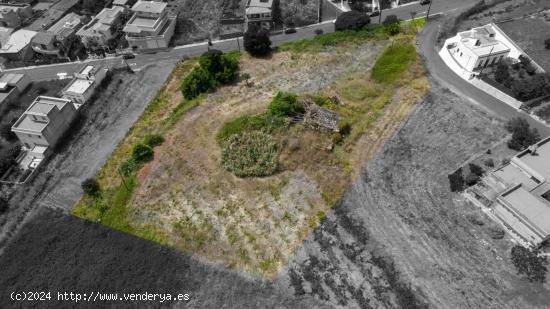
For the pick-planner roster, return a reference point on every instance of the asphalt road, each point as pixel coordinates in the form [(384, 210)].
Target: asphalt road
[(426, 42), (47, 72)]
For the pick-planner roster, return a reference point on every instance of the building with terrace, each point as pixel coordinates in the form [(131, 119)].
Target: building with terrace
[(259, 13), (102, 28), (42, 125), (13, 15), (83, 86), (150, 27), (18, 46), (522, 193), (50, 42)]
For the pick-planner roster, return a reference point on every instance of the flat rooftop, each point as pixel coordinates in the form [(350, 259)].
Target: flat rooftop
[(481, 41), (79, 86), (531, 208), (260, 3), (149, 7), (41, 106), (512, 176), (540, 162)]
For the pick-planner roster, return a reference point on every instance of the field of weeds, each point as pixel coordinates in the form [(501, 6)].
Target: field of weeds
[(184, 198)]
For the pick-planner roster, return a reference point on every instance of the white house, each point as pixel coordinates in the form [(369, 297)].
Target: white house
[(150, 27), (475, 49), (82, 87), (102, 27)]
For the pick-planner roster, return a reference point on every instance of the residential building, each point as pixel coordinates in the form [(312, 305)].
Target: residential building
[(18, 46), (50, 42), (11, 86), (476, 49), (150, 27), (102, 27), (259, 13), (13, 15), (44, 123), (523, 201), (82, 87)]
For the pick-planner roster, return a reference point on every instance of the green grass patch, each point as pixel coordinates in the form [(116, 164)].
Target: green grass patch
[(250, 154), (248, 123), (393, 62)]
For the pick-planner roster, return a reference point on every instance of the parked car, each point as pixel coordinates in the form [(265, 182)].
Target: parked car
[(375, 13), (424, 2), (290, 30), (128, 56)]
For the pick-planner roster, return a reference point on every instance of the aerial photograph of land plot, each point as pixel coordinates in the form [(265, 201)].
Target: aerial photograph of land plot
[(275, 154)]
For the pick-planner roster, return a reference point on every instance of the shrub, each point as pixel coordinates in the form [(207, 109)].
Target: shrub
[(489, 162), (344, 128), (7, 133), (285, 104), (547, 43), (321, 101), (353, 20), (153, 140), (476, 169), (250, 154), (214, 68), (391, 25), (197, 82), (456, 181), (264, 122), (8, 157), (502, 72), (91, 187), (529, 263), (142, 153), (257, 42), (532, 87), (128, 166), (4, 204), (522, 135), (471, 179)]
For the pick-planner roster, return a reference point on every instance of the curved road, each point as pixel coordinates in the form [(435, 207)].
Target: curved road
[(426, 45)]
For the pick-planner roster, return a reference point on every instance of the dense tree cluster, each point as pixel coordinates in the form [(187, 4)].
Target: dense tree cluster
[(91, 187), (529, 263), (257, 42), (522, 135), (353, 20), (8, 157), (215, 68)]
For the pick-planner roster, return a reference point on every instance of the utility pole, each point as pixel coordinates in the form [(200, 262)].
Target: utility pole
[(428, 13), (486, 63), (239, 44)]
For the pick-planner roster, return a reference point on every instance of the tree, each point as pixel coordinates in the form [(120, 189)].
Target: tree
[(4, 204), (391, 25), (257, 42), (547, 43), (285, 104), (529, 263), (142, 153), (197, 82), (502, 72), (91, 187), (6, 132), (8, 157), (353, 20), (522, 135)]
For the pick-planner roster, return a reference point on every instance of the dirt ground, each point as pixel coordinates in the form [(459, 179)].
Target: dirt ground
[(103, 124), (255, 224), (402, 205)]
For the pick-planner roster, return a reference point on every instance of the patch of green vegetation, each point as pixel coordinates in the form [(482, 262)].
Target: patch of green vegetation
[(395, 60), (250, 154), (348, 38), (177, 112), (215, 68), (285, 104), (248, 123), (267, 264)]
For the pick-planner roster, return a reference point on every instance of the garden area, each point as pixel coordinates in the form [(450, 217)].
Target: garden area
[(238, 158)]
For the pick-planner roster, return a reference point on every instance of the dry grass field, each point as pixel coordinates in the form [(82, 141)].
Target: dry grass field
[(185, 199)]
